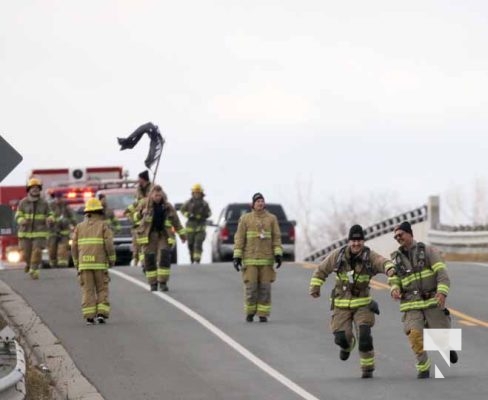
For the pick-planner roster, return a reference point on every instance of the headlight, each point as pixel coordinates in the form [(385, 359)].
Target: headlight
[(13, 256)]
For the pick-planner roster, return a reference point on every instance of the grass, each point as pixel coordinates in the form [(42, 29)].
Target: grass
[(480, 257)]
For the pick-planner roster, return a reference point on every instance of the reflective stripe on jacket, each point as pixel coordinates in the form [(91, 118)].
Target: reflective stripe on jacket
[(258, 238), (92, 246)]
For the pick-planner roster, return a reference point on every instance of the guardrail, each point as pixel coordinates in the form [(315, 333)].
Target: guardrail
[(12, 385), (414, 216), (459, 242)]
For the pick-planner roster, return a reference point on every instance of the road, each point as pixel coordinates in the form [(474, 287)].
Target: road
[(193, 342)]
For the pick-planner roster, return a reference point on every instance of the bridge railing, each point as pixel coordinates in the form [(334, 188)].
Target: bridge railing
[(414, 216)]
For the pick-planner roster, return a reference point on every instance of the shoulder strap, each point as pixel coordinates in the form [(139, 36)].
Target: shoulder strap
[(340, 259), (365, 258)]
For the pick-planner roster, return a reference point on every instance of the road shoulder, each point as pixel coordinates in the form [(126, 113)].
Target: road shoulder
[(39, 343)]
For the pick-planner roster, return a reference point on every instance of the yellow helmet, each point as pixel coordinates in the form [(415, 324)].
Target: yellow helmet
[(93, 204), (197, 188), (33, 182)]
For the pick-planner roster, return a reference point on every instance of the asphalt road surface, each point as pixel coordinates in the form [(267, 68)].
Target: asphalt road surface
[(193, 342)]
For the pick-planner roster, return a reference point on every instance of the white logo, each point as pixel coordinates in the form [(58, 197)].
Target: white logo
[(443, 341)]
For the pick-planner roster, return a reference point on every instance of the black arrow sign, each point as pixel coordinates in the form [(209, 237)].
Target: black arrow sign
[(9, 158)]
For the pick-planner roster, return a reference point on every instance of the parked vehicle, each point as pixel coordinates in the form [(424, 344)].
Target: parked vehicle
[(10, 197), (223, 236)]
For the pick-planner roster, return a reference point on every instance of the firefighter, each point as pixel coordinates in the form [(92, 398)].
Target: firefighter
[(351, 303), (421, 284), (156, 234), (33, 217), (143, 188), (59, 232), (93, 253), (257, 246), (196, 210), (110, 217)]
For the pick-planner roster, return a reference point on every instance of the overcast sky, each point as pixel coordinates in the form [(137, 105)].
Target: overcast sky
[(353, 97)]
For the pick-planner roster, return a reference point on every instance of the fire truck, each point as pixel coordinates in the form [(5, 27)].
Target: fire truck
[(77, 184), (10, 197)]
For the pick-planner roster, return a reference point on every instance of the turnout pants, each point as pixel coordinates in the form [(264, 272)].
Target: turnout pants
[(195, 236), (58, 251), (363, 320), (32, 254), (157, 258), (414, 322), (94, 292), (257, 285)]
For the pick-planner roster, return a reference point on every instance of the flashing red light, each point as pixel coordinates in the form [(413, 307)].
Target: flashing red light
[(88, 195), (71, 195)]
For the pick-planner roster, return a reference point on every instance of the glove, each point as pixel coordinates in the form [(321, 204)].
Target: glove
[(373, 306), (278, 261), (237, 263)]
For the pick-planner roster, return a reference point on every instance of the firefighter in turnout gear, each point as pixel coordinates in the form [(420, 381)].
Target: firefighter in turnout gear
[(110, 217), (421, 284), (257, 246), (144, 186), (33, 217), (196, 210), (156, 235), (59, 232), (351, 300), (93, 253)]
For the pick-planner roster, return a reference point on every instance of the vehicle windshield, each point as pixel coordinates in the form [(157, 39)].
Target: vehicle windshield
[(7, 222), (119, 201), (234, 212)]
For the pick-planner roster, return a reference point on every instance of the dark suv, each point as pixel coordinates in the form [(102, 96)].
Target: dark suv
[(223, 236)]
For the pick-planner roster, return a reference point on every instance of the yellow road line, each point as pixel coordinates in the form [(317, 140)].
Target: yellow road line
[(466, 319)]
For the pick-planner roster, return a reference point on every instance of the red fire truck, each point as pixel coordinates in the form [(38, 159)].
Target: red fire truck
[(76, 185), (9, 199)]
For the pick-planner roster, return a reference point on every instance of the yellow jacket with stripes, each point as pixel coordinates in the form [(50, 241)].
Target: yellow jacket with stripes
[(353, 274), (417, 280), (258, 238), (92, 246), (32, 217)]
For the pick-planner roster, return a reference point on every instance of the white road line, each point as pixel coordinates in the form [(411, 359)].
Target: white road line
[(224, 337)]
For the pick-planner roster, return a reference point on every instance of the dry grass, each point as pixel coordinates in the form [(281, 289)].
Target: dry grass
[(481, 257), (38, 384)]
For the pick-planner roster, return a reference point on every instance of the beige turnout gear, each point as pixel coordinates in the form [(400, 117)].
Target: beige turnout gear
[(351, 299), (257, 241), (32, 218), (59, 232), (93, 253), (197, 211), (157, 241), (420, 275)]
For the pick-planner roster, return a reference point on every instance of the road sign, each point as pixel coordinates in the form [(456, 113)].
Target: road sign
[(9, 158)]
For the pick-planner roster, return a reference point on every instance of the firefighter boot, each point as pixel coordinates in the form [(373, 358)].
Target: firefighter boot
[(154, 287), (163, 287), (250, 317), (423, 374), (26, 269), (367, 373), (263, 319)]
